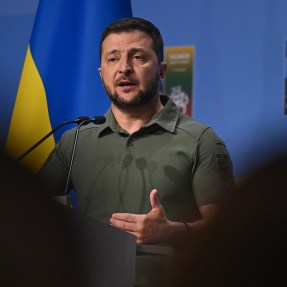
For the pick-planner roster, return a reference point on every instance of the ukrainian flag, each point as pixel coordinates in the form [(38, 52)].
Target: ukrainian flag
[(60, 80)]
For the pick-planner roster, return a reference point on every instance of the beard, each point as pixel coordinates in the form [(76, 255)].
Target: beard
[(141, 99)]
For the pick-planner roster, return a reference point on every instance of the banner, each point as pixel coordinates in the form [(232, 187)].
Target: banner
[(179, 77), (60, 79)]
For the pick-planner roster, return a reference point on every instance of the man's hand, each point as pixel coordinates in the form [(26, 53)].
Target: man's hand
[(149, 228)]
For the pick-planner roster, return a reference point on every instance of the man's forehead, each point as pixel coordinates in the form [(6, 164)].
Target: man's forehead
[(124, 38)]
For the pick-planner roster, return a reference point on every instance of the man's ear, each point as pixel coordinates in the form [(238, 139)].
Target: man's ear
[(162, 70), (100, 72)]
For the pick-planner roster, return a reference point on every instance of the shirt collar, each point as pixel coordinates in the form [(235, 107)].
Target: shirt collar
[(167, 118)]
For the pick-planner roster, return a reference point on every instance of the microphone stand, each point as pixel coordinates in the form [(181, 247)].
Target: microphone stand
[(73, 154), (96, 120), (79, 120)]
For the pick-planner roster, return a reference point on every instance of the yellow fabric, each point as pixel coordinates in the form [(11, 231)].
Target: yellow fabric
[(30, 120)]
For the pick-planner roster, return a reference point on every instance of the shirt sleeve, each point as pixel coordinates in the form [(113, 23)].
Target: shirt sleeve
[(213, 171)]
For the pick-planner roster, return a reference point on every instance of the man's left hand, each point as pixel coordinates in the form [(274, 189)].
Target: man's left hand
[(149, 228)]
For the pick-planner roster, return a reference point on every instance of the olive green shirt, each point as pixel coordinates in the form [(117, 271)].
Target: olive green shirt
[(114, 171)]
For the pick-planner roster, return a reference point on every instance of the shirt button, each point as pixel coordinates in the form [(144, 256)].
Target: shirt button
[(130, 143)]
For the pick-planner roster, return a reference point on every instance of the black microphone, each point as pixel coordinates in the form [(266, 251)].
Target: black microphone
[(79, 120), (98, 120)]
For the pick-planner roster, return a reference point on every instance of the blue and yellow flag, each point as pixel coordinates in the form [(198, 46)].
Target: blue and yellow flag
[(60, 80)]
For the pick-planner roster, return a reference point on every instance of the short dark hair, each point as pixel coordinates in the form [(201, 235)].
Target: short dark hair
[(136, 24)]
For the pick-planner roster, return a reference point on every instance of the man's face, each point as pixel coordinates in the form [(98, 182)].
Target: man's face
[(129, 69)]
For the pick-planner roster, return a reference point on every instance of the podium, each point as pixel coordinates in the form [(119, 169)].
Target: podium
[(106, 254)]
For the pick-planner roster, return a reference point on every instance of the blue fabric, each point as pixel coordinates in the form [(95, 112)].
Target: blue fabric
[(65, 47)]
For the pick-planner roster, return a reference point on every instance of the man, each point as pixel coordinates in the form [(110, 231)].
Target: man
[(149, 170)]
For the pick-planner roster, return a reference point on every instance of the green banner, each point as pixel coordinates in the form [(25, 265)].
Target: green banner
[(179, 78)]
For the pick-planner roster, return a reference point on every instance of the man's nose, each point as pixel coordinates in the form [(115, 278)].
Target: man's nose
[(126, 67)]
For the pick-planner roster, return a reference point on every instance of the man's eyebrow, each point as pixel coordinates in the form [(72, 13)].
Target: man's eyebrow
[(134, 50), (131, 51), (115, 51)]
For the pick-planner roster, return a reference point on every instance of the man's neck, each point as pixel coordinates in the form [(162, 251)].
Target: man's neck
[(133, 119)]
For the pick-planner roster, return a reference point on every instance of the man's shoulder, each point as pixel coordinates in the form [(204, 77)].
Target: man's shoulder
[(192, 126)]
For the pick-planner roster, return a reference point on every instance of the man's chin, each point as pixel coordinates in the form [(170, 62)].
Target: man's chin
[(127, 97), (126, 103)]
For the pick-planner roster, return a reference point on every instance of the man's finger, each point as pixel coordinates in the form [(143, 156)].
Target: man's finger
[(125, 225), (153, 199), (125, 216)]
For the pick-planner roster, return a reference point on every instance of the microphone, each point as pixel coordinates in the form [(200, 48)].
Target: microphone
[(79, 120), (98, 120)]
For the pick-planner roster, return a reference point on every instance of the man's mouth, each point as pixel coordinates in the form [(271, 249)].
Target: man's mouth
[(126, 84)]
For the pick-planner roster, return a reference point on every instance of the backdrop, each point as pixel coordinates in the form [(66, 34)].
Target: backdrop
[(239, 70)]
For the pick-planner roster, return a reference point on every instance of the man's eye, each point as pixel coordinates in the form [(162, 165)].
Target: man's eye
[(138, 57), (112, 60)]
